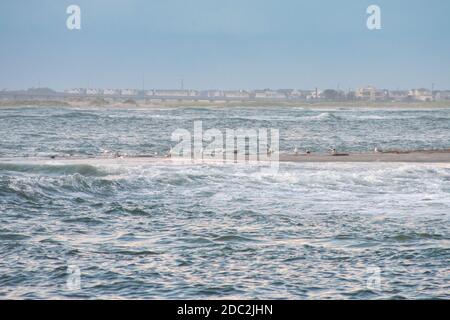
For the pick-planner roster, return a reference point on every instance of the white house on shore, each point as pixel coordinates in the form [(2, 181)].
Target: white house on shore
[(236, 94), (128, 92), (313, 94), (175, 93), (269, 94), (94, 91), (371, 93), (421, 94), (76, 91), (398, 95), (109, 92), (212, 93)]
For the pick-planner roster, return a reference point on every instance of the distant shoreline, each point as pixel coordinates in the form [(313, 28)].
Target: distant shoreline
[(99, 103)]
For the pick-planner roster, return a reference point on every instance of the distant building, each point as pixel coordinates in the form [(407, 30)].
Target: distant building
[(175, 93), (94, 91), (371, 93), (109, 92), (398, 95), (288, 93), (368, 93), (298, 94), (269, 94), (365, 93), (421, 94), (212, 93), (76, 91), (128, 92), (442, 95), (313, 94), (236, 94)]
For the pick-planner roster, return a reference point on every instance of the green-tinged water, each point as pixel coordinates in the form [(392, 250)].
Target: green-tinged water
[(162, 230)]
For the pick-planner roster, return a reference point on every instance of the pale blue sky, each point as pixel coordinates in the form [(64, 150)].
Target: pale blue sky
[(225, 44)]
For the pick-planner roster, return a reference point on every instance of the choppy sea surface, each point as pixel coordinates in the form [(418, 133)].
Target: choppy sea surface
[(160, 230)]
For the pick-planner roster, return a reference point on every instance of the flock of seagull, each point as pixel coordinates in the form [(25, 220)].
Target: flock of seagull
[(332, 151), (212, 153)]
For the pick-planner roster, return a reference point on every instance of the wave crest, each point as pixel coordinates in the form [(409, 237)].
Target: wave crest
[(58, 169)]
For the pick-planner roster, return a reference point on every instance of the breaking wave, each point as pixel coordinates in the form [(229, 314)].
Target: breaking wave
[(57, 169)]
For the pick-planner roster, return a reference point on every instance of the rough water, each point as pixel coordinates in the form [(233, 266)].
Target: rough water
[(163, 230), (95, 131)]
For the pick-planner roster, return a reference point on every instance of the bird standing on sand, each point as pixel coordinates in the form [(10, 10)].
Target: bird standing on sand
[(333, 151), (169, 154), (295, 151)]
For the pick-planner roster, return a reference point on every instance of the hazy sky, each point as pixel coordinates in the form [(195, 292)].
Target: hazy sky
[(224, 44)]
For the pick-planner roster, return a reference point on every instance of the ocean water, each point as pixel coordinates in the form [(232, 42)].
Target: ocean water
[(164, 230), (96, 131)]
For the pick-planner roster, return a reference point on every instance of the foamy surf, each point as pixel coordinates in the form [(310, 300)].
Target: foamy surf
[(136, 226)]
